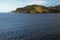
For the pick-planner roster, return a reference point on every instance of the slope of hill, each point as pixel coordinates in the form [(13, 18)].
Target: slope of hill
[(38, 9)]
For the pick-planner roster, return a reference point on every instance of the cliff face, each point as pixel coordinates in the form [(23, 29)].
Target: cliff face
[(38, 9)]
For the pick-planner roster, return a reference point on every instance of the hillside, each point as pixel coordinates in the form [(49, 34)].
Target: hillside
[(38, 9), (54, 9)]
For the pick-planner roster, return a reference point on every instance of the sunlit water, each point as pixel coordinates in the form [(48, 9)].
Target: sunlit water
[(29, 26)]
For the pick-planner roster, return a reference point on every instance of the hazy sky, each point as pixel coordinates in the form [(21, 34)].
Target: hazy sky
[(8, 5)]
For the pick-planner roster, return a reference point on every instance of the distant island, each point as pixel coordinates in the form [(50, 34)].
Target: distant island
[(38, 9)]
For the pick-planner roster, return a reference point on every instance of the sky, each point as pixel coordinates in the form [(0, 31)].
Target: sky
[(9, 5)]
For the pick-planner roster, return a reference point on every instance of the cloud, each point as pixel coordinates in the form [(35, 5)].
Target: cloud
[(39, 2), (31, 2), (8, 5)]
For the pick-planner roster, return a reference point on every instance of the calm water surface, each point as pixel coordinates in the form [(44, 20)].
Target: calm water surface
[(29, 26)]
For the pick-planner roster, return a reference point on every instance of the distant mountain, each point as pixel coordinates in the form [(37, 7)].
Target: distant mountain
[(54, 9), (38, 9)]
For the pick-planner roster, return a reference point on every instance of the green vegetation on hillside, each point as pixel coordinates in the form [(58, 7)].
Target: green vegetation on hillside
[(38, 9)]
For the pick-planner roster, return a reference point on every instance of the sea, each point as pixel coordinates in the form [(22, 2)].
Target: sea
[(24, 26)]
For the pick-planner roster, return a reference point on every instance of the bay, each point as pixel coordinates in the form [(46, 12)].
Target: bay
[(29, 26)]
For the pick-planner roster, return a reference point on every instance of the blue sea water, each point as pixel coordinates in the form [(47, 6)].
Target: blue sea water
[(29, 26)]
